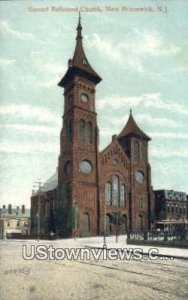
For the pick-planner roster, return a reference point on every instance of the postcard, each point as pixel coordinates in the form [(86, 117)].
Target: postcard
[(94, 149)]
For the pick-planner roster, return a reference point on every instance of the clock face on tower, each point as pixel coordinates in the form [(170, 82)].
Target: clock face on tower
[(84, 98), (139, 176), (85, 167)]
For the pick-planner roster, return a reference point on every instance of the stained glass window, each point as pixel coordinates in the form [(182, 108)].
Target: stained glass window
[(136, 150), (122, 195), (89, 135), (108, 193), (115, 190), (82, 130), (69, 131)]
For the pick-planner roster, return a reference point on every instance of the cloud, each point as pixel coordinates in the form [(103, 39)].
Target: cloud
[(170, 135), (7, 29), (104, 46), (168, 153), (25, 111), (47, 83), (31, 128), (4, 62), (106, 131), (42, 58), (147, 119), (136, 48), (46, 65), (28, 148), (149, 42), (157, 121), (150, 100)]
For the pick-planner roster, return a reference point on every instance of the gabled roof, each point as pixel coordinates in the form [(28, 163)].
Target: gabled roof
[(131, 128), (79, 65)]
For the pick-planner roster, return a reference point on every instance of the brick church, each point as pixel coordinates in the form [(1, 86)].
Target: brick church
[(94, 192)]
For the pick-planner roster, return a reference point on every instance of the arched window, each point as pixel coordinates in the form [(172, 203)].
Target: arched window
[(115, 185), (82, 130), (88, 133), (69, 131), (122, 195), (108, 193), (141, 203), (136, 150), (144, 151)]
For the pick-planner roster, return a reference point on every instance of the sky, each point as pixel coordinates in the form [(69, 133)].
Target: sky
[(142, 57)]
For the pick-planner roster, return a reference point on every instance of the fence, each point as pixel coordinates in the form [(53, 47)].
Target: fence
[(177, 238)]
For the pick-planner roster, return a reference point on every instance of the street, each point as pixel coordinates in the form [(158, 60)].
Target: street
[(94, 279)]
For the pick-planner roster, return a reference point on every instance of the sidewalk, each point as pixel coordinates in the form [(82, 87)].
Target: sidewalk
[(111, 243)]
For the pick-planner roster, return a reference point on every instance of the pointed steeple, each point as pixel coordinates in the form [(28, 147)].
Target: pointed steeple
[(79, 65), (79, 28), (131, 128)]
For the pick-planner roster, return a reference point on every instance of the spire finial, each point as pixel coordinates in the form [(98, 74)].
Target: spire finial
[(131, 112), (79, 27)]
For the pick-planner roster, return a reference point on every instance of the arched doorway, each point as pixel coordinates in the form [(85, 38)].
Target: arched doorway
[(85, 225), (108, 224)]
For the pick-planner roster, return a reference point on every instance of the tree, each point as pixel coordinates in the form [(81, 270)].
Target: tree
[(64, 212)]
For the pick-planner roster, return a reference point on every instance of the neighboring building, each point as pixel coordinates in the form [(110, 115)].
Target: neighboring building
[(110, 189), (14, 220), (171, 210)]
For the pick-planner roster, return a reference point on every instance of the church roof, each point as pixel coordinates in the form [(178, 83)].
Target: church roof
[(51, 183), (79, 65), (131, 128)]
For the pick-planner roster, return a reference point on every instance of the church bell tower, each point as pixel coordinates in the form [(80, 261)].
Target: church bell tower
[(78, 202)]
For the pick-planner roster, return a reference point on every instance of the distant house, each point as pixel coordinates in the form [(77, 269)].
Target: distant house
[(171, 209), (14, 220)]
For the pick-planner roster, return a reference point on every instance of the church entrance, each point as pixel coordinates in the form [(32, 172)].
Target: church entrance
[(85, 225)]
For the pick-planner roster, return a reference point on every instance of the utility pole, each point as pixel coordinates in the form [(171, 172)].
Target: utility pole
[(38, 185), (117, 219), (116, 226), (104, 240)]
